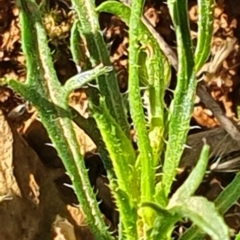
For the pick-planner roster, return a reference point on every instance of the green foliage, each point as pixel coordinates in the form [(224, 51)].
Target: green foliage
[(43, 89), (193, 181), (142, 197)]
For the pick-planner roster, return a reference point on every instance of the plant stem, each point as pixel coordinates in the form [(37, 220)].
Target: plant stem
[(43, 89), (181, 107), (97, 48)]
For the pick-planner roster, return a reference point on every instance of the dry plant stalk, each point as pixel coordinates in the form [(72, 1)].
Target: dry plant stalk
[(211, 68)]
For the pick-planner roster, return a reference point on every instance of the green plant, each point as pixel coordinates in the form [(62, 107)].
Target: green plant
[(140, 182)]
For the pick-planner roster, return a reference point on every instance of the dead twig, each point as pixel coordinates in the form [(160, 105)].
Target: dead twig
[(221, 144)]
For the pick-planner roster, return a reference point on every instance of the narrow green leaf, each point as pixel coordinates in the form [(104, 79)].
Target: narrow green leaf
[(154, 72), (143, 76), (205, 32), (224, 201), (122, 154), (77, 48), (237, 236), (98, 53), (194, 179), (43, 89), (128, 213), (204, 214), (137, 114), (80, 79), (120, 149), (88, 125), (145, 29), (229, 196), (160, 210), (180, 111), (164, 222)]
